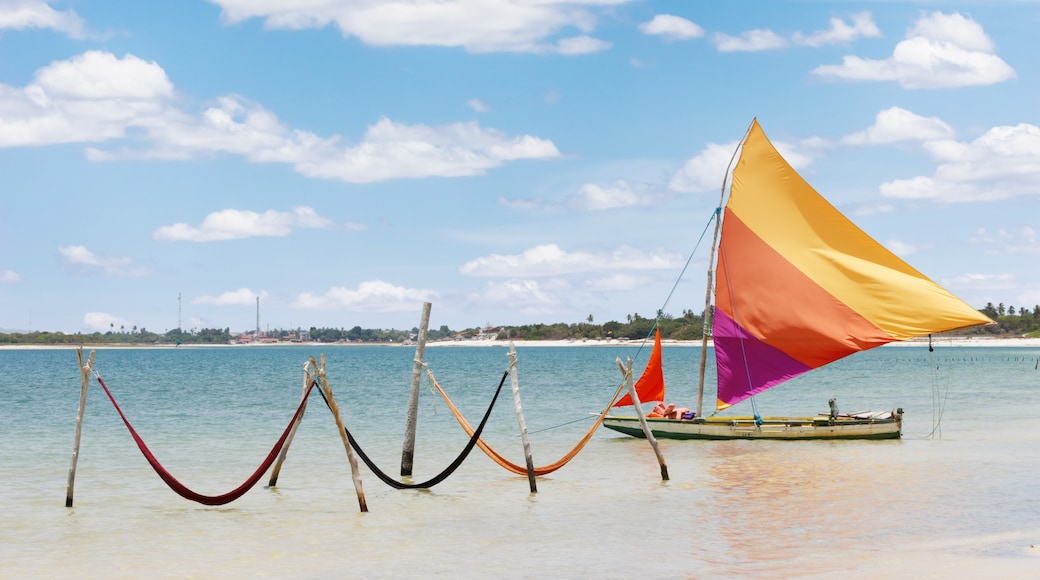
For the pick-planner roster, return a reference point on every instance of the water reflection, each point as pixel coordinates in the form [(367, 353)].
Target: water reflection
[(787, 505)]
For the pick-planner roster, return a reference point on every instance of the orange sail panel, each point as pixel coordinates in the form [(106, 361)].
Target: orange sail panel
[(650, 386), (799, 285)]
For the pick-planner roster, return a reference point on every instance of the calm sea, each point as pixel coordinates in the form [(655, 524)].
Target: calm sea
[(958, 496)]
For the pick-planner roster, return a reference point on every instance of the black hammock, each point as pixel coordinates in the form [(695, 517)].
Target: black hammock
[(440, 476)]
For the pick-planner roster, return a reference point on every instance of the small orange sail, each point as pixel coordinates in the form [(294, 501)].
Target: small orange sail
[(650, 386)]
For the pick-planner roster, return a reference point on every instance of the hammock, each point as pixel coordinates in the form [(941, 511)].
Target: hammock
[(499, 459), (474, 438), (181, 489)]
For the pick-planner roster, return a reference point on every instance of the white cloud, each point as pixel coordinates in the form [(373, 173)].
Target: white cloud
[(527, 297), (240, 297), (749, 41), (22, 14), (550, 260), (940, 51), (234, 224), (894, 125), (672, 27), (1002, 163), (592, 197), (372, 296), (392, 150), (979, 282), (705, 171), (580, 45), (840, 33), (477, 105), (868, 210), (476, 25), (96, 97), (900, 248), (103, 322), (10, 276), (82, 258), (522, 204), (759, 39), (1024, 240), (92, 97), (616, 283)]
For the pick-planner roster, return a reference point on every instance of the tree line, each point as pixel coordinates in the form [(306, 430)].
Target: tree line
[(1010, 322)]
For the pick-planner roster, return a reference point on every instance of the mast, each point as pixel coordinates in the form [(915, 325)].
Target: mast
[(707, 303), (711, 272)]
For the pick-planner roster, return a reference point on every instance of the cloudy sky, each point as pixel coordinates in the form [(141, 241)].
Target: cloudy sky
[(509, 161)]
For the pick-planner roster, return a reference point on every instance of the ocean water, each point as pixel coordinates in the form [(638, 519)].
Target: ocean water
[(957, 497)]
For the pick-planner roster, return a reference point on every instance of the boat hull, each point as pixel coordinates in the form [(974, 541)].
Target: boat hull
[(786, 428)]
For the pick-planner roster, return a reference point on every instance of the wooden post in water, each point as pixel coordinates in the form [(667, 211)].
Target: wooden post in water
[(408, 451), (629, 381), (515, 381), (324, 383), (292, 432), (84, 375)]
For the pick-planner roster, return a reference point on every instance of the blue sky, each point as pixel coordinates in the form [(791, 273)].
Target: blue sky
[(511, 162)]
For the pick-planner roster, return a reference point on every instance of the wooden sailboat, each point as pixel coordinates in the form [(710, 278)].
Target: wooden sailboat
[(798, 286)]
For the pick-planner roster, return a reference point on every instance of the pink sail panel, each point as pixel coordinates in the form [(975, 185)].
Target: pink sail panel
[(734, 350)]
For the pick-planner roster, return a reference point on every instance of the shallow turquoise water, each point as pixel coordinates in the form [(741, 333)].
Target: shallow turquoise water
[(960, 503)]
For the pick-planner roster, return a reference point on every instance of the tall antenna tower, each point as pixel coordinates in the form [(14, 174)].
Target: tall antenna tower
[(179, 327), (257, 317)]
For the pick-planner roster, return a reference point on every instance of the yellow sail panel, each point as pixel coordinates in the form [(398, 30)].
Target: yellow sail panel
[(782, 209)]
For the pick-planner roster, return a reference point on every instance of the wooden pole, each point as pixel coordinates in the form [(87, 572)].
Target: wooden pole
[(642, 416), (84, 375), (709, 312), (292, 432), (324, 383), (408, 451), (515, 381)]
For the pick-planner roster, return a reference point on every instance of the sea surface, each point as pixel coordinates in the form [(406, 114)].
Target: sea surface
[(957, 497)]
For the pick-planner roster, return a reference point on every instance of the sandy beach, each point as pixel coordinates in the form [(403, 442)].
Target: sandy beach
[(939, 342)]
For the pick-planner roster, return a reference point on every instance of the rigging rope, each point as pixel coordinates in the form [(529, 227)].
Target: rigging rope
[(675, 286), (181, 489), (499, 459), (474, 438), (939, 397)]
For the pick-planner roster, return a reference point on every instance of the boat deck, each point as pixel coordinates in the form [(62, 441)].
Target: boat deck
[(818, 427)]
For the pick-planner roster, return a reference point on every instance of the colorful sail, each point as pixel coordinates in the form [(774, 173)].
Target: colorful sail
[(799, 285), (650, 386)]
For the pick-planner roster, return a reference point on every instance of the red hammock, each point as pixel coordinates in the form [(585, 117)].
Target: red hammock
[(183, 490)]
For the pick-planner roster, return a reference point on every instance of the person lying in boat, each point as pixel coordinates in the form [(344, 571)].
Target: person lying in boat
[(670, 412)]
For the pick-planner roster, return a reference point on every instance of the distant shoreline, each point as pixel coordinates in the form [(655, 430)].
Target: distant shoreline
[(938, 342)]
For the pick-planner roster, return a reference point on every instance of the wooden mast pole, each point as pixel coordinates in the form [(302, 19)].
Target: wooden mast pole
[(292, 432), (324, 383), (515, 381), (84, 375), (629, 381), (708, 312), (707, 316), (408, 451)]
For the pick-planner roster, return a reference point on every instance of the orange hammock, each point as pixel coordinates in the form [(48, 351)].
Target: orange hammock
[(521, 469)]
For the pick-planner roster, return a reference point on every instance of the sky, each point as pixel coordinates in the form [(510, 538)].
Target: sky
[(167, 163)]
